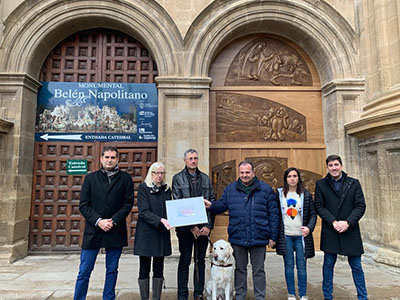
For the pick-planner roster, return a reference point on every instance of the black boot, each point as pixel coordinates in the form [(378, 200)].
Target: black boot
[(157, 288), (144, 288)]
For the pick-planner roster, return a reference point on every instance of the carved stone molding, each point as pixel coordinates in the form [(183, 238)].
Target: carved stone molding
[(223, 175), (5, 126), (379, 115), (268, 62), (244, 118)]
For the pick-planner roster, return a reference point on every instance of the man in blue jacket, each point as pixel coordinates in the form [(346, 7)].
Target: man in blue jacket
[(253, 224)]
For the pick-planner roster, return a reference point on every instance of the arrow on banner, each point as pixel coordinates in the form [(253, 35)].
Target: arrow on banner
[(77, 137)]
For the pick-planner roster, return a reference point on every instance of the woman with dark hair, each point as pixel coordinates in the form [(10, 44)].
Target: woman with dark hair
[(297, 222), (152, 237)]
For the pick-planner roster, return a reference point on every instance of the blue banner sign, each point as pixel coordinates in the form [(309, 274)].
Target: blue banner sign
[(102, 111)]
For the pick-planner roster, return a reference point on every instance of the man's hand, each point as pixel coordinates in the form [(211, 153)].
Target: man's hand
[(166, 224), (341, 226), (271, 243), (305, 230), (196, 232), (105, 224), (207, 203), (205, 231)]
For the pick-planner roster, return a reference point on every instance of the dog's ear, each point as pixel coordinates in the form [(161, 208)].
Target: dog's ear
[(229, 250)]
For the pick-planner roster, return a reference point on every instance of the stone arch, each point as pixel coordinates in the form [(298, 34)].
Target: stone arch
[(316, 27), (31, 32)]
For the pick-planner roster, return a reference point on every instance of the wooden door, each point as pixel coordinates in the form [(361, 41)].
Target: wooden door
[(56, 223), (265, 106), (96, 55)]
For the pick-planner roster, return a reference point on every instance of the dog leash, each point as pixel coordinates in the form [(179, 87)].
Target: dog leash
[(209, 240)]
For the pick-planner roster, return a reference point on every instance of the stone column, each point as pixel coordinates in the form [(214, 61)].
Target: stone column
[(376, 138), (18, 98), (183, 123), (341, 104), (375, 135)]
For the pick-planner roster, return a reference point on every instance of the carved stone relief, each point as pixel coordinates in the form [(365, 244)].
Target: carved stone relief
[(309, 179), (223, 175), (267, 61), (244, 118), (270, 169)]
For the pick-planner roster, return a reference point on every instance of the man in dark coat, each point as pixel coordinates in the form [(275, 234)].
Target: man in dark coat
[(253, 224), (191, 182), (340, 203), (106, 201)]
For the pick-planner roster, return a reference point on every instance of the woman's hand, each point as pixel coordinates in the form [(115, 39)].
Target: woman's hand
[(305, 230), (166, 224)]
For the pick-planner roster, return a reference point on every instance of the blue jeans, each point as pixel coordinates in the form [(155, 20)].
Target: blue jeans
[(88, 259), (295, 243), (356, 270)]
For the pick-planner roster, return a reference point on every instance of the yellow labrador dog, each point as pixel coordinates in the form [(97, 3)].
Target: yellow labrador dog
[(220, 285)]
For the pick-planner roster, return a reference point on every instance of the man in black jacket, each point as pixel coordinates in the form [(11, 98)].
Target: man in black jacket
[(106, 201), (340, 203), (191, 182)]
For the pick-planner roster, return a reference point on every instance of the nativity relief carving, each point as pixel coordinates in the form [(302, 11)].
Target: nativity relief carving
[(223, 175), (244, 118), (268, 62), (270, 169), (309, 179)]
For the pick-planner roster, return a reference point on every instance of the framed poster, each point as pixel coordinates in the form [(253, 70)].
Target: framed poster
[(188, 211), (97, 111)]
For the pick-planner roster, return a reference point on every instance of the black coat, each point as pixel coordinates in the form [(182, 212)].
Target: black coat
[(101, 199), (181, 188), (348, 205), (151, 237), (309, 220)]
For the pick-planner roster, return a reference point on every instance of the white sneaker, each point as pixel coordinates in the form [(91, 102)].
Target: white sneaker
[(304, 298), (291, 297)]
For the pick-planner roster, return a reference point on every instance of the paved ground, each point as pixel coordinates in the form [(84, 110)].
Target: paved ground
[(53, 277)]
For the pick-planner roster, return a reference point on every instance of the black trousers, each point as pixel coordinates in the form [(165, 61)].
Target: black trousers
[(187, 243), (145, 264)]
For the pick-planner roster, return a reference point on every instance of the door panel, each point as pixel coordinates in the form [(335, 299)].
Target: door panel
[(96, 55), (265, 106), (56, 223)]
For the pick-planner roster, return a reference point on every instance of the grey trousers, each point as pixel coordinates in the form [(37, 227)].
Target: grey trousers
[(257, 258)]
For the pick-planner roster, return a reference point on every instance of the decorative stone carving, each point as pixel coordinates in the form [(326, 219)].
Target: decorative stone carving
[(270, 169), (222, 175), (309, 179), (244, 118), (268, 61)]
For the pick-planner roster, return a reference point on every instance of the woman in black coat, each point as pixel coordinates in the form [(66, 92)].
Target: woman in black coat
[(152, 237), (297, 222)]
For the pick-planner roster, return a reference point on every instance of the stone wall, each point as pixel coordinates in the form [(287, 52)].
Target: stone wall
[(353, 44), (375, 141)]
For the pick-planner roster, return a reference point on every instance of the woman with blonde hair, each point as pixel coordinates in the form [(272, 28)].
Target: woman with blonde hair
[(152, 237)]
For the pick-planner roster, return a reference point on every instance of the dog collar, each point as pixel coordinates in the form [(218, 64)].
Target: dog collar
[(224, 266)]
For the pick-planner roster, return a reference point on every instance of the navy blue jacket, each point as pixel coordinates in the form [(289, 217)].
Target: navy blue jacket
[(253, 218)]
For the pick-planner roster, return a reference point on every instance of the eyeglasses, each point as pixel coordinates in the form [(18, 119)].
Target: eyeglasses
[(158, 173)]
